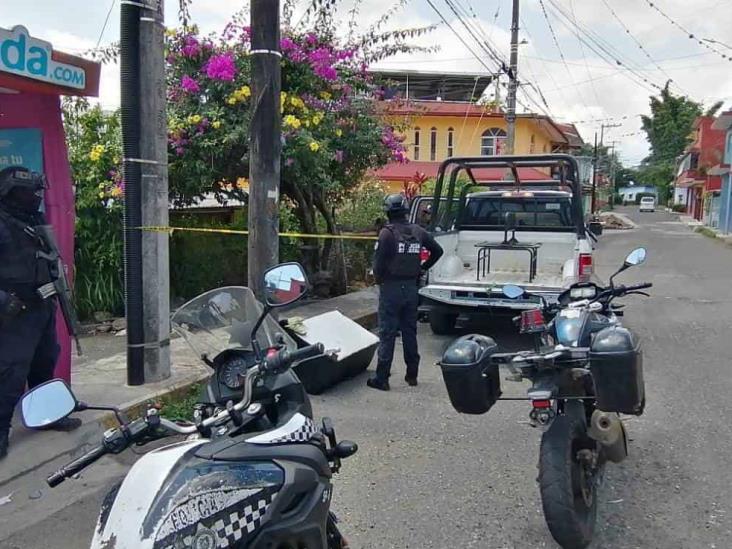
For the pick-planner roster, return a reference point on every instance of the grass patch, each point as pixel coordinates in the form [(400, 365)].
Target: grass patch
[(179, 405), (706, 231)]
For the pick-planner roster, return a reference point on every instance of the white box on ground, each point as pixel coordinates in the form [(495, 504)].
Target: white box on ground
[(337, 331)]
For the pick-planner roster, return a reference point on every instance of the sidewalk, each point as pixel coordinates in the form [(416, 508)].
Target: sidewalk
[(99, 377)]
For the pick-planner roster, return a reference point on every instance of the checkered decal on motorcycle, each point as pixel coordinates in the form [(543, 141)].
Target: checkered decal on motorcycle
[(303, 434), (230, 529)]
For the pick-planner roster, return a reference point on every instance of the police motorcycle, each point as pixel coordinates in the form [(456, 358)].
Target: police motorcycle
[(585, 369), (254, 470)]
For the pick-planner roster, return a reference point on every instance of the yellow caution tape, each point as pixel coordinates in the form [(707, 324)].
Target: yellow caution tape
[(171, 230)]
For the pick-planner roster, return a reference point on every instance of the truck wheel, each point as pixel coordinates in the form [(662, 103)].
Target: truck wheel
[(568, 481), (442, 323)]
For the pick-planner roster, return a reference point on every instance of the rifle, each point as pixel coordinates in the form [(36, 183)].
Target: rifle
[(60, 285)]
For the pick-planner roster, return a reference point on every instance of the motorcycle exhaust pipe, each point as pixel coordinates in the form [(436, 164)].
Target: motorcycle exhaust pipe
[(607, 429)]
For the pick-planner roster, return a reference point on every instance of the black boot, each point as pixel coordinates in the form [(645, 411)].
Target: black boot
[(376, 383), (3, 444), (65, 425)]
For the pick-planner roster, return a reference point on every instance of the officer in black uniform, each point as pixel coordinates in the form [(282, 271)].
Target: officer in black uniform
[(397, 269), (28, 345)]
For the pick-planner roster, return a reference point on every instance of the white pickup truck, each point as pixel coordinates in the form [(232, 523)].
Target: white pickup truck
[(530, 233)]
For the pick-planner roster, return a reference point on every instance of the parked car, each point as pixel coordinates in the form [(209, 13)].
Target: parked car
[(647, 204), (532, 234)]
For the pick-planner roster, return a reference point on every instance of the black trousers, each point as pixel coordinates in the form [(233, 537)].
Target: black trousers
[(28, 353), (398, 301)]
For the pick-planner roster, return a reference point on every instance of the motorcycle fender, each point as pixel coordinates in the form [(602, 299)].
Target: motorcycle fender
[(122, 514)]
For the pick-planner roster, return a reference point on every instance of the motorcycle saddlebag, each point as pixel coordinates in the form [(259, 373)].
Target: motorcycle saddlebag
[(471, 379), (616, 363)]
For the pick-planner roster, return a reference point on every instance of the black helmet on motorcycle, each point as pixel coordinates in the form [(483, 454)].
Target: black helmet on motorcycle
[(396, 205)]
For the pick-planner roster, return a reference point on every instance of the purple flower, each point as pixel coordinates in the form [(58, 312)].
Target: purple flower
[(287, 44), (179, 151), (189, 84), (221, 67), (311, 38), (191, 48), (326, 72)]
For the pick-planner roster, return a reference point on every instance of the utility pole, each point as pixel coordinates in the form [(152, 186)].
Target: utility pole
[(145, 167), (265, 146), (594, 178), (512, 82)]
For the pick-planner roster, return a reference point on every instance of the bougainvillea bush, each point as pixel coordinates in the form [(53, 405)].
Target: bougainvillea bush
[(332, 130)]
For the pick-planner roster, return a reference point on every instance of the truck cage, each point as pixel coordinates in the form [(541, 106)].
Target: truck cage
[(565, 166)]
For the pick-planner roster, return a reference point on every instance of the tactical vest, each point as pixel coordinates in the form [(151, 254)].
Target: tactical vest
[(20, 268), (407, 262)]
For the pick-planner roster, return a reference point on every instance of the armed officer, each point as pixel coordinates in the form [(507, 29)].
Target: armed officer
[(28, 345), (397, 269)]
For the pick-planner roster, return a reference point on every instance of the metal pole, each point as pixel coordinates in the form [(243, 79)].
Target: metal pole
[(265, 144), (512, 82), (594, 179)]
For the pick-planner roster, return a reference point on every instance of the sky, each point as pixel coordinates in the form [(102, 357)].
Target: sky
[(581, 81)]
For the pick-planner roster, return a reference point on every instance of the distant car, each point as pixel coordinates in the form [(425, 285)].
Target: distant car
[(647, 204)]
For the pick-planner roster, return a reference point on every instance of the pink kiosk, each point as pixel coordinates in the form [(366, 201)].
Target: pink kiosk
[(33, 76)]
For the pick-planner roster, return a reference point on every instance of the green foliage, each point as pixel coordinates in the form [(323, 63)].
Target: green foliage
[(363, 208), (679, 208), (179, 405), (94, 145)]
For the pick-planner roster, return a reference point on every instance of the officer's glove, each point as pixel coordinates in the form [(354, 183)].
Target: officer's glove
[(13, 307)]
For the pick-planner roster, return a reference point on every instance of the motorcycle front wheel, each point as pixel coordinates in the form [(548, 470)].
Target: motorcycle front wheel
[(568, 475)]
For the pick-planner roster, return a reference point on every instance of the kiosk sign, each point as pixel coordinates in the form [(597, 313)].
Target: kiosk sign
[(30, 57)]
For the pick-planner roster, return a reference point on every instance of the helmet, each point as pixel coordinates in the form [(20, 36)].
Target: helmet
[(20, 177), (396, 204)]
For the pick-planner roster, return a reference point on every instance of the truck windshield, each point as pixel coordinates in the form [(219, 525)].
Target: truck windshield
[(532, 213)]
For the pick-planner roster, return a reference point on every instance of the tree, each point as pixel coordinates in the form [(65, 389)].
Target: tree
[(669, 126), (333, 130)]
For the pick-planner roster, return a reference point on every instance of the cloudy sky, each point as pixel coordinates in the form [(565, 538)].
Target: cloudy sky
[(598, 79)]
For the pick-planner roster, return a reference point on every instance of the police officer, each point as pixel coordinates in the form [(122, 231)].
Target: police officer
[(28, 345), (397, 268)]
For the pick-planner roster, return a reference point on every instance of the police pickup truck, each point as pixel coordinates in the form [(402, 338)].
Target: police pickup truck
[(527, 228)]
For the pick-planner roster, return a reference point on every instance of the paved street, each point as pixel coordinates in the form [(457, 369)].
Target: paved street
[(428, 477)]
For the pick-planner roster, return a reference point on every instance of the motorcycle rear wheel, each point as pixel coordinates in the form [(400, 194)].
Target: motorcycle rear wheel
[(567, 482)]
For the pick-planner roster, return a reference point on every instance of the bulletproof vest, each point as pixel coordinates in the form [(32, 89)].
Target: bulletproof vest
[(20, 267), (406, 263)]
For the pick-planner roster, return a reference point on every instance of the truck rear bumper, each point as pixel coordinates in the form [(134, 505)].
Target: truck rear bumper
[(477, 300)]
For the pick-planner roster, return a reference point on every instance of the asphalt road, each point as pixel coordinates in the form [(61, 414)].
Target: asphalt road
[(427, 477)]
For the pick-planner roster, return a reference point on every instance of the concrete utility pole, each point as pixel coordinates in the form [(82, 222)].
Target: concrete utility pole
[(593, 203), (512, 82), (154, 151), (265, 146), (144, 138)]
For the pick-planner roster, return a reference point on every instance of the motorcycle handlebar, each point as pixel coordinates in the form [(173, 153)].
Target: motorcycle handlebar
[(70, 469), (284, 359), (635, 287)]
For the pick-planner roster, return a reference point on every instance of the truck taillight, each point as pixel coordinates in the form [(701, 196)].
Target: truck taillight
[(585, 266), (424, 255), (532, 321)]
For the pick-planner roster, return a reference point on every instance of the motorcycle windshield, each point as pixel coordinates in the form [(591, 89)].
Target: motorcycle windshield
[(568, 325), (223, 319)]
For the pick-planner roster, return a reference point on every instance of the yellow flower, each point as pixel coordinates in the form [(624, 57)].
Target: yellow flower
[(339, 132), (115, 159), (242, 183), (116, 192), (325, 95), (317, 119), (96, 153), (101, 185), (283, 98), (170, 32), (297, 102), (216, 124), (245, 91), (195, 119), (307, 123), (314, 146), (231, 100), (101, 194), (292, 121)]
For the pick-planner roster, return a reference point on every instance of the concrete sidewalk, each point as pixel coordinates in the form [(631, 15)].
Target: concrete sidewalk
[(99, 377)]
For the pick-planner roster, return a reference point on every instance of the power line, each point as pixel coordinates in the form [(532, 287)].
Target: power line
[(584, 57), (688, 33), (106, 20), (640, 45)]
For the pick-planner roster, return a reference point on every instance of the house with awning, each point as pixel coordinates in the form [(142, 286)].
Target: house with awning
[(442, 115)]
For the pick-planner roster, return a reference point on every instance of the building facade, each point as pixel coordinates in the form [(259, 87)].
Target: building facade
[(724, 124), (435, 128)]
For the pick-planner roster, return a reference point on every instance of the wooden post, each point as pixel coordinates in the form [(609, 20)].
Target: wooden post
[(265, 142)]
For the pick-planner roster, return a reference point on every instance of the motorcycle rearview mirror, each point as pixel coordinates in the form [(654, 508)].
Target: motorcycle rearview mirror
[(47, 404), (636, 257), (512, 291)]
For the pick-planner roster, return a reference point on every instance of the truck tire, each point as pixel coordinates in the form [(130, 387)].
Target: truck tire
[(569, 499), (442, 323)]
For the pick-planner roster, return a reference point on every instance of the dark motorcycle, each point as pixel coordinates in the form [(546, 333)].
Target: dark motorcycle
[(585, 369), (254, 471)]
